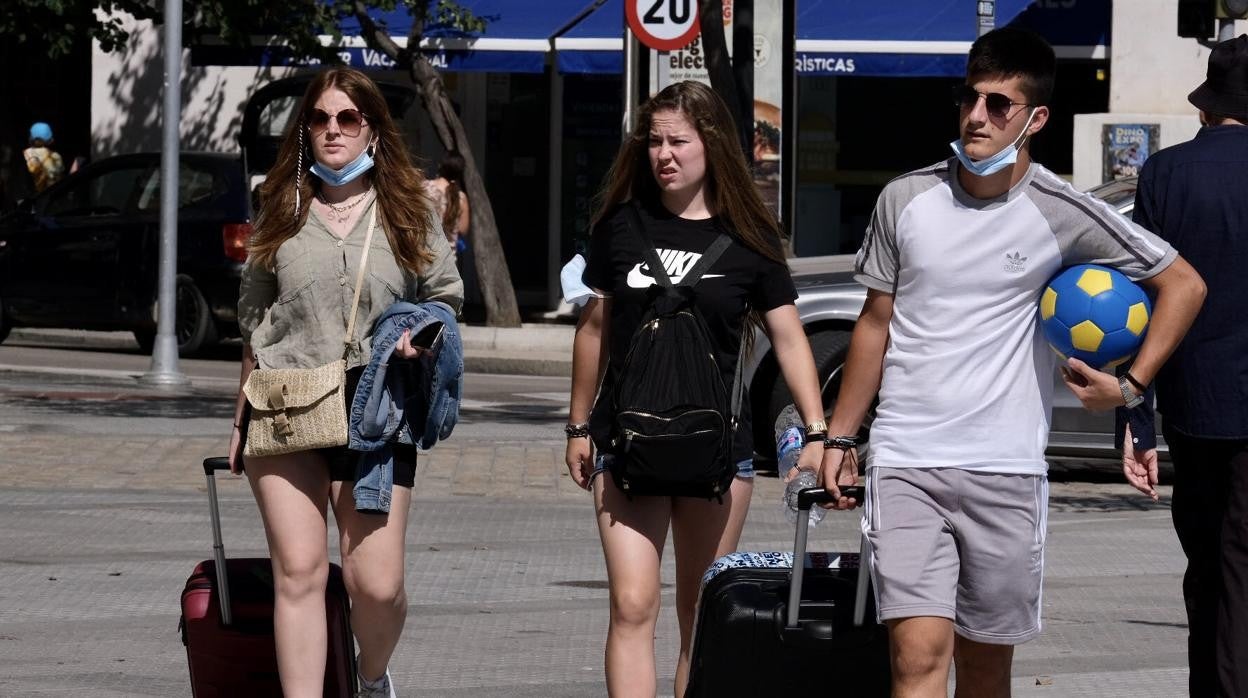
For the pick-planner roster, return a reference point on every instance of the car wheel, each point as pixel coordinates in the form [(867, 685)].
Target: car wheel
[(829, 348), (193, 325)]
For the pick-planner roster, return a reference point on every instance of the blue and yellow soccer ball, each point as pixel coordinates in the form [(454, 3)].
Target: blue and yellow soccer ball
[(1094, 314)]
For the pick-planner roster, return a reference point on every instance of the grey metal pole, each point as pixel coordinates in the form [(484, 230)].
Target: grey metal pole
[(1226, 30), (631, 49), (164, 371)]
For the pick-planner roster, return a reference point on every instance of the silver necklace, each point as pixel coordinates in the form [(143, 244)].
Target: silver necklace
[(341, 213)]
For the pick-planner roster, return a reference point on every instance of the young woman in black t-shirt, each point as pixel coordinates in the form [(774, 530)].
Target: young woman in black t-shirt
[(683, 164)]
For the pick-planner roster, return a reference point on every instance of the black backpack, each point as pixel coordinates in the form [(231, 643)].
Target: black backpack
[(667, 417)]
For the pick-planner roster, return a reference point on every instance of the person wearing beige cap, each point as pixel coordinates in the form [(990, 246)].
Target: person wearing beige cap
[(1192, 195)]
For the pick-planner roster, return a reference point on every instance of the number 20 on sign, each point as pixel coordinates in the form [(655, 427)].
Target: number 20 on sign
[(663, 25)]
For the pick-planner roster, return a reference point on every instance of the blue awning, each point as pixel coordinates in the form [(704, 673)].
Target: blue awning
[(516, 40), (925, 38), (912, 38), (595, 44)]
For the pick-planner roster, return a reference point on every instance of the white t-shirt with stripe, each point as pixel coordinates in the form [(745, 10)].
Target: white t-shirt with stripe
[(968, 378)]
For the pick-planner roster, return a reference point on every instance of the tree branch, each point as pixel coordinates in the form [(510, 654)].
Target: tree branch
[(375, 37)]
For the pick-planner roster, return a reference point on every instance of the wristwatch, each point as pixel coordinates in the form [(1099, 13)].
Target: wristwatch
[(819, 427), (1128, 393)]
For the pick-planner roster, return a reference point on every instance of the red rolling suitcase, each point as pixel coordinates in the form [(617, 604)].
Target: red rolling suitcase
[(767, 627), (227, 622)]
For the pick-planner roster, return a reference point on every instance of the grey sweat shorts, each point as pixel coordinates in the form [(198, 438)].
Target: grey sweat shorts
[(959, 544)]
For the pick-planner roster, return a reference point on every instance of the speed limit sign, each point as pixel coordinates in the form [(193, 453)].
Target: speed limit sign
[(663, 25)]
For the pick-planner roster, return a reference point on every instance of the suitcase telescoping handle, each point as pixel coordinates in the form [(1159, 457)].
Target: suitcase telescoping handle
[(805, 499), (211, 466)]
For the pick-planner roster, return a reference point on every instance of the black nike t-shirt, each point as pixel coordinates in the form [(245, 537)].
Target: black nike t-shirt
[(740, 279)]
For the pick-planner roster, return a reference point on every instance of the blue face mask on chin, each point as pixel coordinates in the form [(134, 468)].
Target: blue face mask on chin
[(350, 171), (993, 163)]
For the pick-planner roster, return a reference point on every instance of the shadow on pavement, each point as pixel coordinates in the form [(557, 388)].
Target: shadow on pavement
[(1106, 503), (139, 406)]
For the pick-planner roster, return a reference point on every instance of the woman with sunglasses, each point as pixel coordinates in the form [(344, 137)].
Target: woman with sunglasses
[(342, 168)]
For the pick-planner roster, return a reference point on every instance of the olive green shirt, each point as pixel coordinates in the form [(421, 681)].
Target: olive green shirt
[(295, 315)]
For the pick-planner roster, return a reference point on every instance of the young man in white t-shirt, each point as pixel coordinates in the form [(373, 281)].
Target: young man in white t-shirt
[(955, 258)]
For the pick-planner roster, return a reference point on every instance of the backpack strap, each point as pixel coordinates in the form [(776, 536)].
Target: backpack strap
[(709, 257), (738, 381), (647, 246)]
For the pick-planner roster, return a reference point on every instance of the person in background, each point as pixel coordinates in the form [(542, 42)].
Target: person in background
[(450, 199), (42, 162), (1192, 196)]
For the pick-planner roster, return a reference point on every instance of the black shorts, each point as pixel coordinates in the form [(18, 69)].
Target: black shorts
[(342, 460)]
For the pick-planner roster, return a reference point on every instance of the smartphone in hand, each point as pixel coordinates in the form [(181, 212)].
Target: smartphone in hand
[(429, 339)]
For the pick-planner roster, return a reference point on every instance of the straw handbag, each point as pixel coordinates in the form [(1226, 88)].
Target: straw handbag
[(300, 409)]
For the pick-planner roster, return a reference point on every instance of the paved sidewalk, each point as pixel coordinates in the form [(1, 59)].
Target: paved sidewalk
[(103, 515), (508, 596)]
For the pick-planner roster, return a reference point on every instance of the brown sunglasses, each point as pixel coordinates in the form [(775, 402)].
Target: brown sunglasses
[(350, 121)]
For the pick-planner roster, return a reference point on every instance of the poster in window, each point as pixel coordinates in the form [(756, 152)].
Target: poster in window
[(1126, 147)]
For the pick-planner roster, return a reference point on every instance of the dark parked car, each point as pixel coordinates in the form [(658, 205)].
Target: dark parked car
[(829, 301), (84, 253)]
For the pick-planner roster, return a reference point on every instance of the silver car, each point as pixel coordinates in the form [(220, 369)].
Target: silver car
[(829, 301)]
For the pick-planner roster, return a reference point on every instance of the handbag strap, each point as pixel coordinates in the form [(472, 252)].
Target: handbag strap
[(359, 280)]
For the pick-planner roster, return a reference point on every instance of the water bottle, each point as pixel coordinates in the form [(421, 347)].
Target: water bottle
[(790, 437)]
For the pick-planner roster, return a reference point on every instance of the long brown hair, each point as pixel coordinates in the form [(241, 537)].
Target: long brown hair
[(404, 209), (733, 196), (452, 170)]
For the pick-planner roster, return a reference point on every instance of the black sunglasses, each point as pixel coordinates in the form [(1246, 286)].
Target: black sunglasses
[(350, 121), (997, 104)]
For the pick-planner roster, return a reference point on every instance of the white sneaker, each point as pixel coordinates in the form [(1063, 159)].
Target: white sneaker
[(381, 688)]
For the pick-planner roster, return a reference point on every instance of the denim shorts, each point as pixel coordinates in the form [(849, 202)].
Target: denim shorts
[(745, 468)]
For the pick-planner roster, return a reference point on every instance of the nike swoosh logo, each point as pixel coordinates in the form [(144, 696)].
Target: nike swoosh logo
[(640, 277)]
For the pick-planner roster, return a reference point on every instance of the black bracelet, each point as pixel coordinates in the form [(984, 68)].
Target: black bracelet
[(844, 443), (576, 431), (816, 436), (1138, 385)]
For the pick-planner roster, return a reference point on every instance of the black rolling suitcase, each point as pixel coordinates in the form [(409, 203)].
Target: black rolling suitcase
[(753, 637)]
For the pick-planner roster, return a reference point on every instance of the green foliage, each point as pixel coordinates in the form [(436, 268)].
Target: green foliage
[(59, 24), (62, 25)]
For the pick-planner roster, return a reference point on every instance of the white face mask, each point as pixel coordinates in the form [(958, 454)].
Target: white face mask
[(574, 289), (993, 163)]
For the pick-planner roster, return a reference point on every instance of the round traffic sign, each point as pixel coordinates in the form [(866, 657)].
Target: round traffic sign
[(663, 25)]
